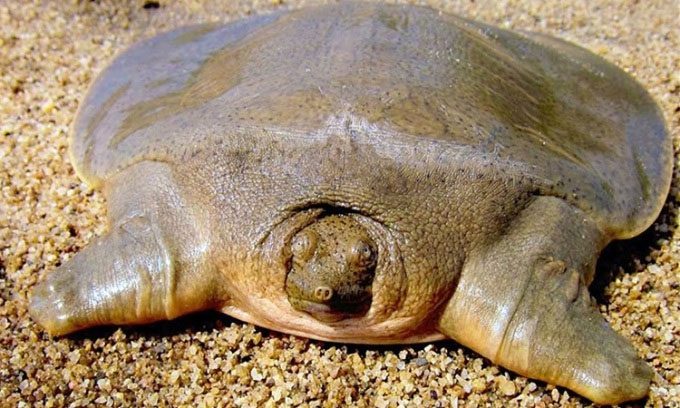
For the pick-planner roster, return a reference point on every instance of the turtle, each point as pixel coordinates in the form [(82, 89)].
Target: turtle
[(369, 174)]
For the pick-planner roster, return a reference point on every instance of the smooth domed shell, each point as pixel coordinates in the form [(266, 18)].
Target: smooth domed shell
[(570, 118)]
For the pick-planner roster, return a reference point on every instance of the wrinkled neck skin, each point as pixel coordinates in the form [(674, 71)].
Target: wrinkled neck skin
[(264, 302)]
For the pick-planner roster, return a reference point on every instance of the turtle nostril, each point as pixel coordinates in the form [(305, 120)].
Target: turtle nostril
[(323, 293)]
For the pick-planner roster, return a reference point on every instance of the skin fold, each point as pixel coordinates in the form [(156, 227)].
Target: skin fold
[(369, 173)]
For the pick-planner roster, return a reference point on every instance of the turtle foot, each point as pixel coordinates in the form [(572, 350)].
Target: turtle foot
[(55, 302), (121, 278), (557, 335)]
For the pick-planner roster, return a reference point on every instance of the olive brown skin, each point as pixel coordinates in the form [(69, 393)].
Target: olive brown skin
[(331, 269), (369, 173)]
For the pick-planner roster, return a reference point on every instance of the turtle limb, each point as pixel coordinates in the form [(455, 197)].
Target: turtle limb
[(149, 266), (523, 303)]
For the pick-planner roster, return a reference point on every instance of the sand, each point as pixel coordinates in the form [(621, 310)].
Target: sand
[(49, 53)]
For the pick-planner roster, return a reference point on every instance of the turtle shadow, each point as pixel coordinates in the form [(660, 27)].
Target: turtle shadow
[(192, 323), (634, 254)]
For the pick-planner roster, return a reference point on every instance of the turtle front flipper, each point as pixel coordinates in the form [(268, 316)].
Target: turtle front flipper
[(150, 265), (523, 302), (126, 276)]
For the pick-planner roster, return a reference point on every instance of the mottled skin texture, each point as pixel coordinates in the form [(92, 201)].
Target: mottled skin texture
[(331, 270), (369, 174)]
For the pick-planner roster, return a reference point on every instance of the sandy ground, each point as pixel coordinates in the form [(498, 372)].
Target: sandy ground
[(49, 53)]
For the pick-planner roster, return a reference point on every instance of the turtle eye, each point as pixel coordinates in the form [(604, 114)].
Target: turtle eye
[(303, 245), (363, 254)]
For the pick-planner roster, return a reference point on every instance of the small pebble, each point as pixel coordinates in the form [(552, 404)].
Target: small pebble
[(479, 385), (507, 387)]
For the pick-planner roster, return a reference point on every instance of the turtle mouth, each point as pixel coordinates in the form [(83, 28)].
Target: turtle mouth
[(328, 313)]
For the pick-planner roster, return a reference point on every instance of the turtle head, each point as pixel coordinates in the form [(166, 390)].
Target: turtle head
[(331, 269)]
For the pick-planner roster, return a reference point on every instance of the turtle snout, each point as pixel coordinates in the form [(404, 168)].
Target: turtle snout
[(323, 293)]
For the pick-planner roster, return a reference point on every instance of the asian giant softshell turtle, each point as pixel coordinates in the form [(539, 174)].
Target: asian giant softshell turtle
[(369, 173)]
